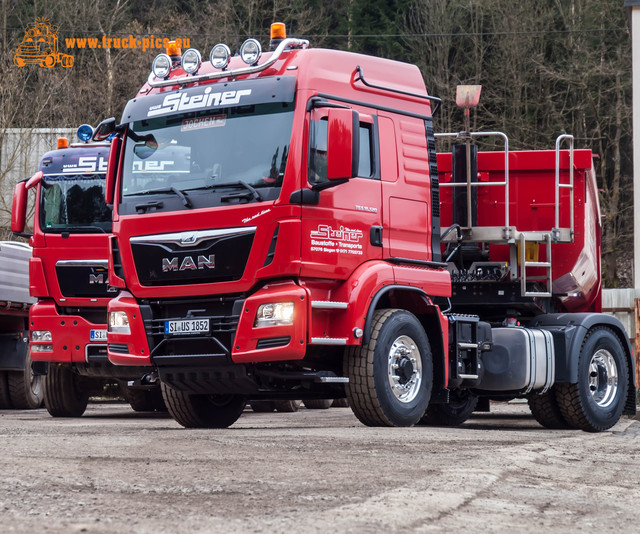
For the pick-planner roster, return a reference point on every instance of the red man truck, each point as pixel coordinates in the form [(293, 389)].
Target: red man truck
[(68, 275), (283, 228)]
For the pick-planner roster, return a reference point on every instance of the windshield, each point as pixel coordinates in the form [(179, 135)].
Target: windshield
[(198, 159), (74, 204)]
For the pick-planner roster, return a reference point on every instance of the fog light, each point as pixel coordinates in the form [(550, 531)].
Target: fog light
[(41, 348), (161, 66), (274, 314), (41, 335), (250, 51), (119, 322)]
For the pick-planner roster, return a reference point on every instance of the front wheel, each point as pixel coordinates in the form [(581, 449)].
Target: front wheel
[(64, 392), (390, 378), (203, 411), (596, 402)]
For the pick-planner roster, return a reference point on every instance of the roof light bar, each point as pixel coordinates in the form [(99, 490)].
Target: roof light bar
[(287, 44)]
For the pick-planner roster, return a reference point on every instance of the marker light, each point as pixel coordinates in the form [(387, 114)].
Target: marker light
[(119, 322), (250, 51), (161, 66), (274, 314), (219, 56), (84, 132), (191, 61), (278, 33), (42, 348), (173, 50), (63, 142)]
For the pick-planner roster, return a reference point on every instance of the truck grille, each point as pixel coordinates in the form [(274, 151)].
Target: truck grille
[(83, 280), (192, 257)]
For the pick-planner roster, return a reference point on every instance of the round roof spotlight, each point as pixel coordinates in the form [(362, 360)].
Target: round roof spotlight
[(250, 51), (85, 132), (220, 56), (191, 61), (161, 66)]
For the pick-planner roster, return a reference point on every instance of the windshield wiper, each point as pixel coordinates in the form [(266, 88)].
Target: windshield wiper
[(178, 192), (250, 192)]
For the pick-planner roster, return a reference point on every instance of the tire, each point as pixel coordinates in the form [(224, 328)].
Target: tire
[(48, 61), (340, 403), (65, 395), (25, 387), (5, 399), (398, 353), (317, 404), (262, 406), (287, 406), (462, 403), (144, 400), (546, 411), (203, 411), (596, 402)]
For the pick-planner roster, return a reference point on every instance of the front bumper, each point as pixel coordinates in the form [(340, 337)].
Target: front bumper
[(74, 339), (233, 339)]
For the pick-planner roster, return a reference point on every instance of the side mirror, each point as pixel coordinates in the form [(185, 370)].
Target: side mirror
[(112, 171), (19, 208), (343, 144), (104, 129)]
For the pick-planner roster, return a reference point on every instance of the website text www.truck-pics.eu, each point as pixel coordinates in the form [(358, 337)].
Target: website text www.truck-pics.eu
[(130, 42)]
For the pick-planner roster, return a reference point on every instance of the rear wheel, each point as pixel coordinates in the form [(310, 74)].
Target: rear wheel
[(25, 387), (64, 392), (390, 378), (340, 403), (317, 404), (262, 406), (144, 400), (596, 402), (546, 411), (5, 399), (287, 406), (462, 404), (203, 411)]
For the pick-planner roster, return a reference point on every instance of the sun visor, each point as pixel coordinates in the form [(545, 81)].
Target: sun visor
[(211, 96)]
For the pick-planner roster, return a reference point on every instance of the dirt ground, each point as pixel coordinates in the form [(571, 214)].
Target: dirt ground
[(113, 470)]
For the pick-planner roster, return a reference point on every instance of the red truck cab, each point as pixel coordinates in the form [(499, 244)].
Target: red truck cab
[(68, 274), (279, 233)]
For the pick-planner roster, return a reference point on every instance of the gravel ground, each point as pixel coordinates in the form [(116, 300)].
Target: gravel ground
[(114, 470)]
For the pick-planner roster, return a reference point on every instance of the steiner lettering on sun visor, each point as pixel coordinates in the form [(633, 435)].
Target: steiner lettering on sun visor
[(183, 102)]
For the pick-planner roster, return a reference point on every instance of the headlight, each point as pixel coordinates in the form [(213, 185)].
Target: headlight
[(219, 56), (191, 60), (41, 348), (275, 314), (250, 51), (161, 66), (40, 335), (119, 322)]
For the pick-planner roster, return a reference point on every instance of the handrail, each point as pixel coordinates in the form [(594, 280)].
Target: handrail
[(559, 140), (289, 43), (479, 184)]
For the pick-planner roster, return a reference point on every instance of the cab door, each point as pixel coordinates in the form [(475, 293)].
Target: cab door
[(341, 220)]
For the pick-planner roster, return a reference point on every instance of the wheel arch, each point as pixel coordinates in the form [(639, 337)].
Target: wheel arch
[(416, 301), (569, 331)]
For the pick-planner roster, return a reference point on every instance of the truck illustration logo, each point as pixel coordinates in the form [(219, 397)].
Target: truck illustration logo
[(39, 46)]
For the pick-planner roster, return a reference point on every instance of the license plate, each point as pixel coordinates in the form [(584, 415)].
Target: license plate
[(186, 326), (98, 335)]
